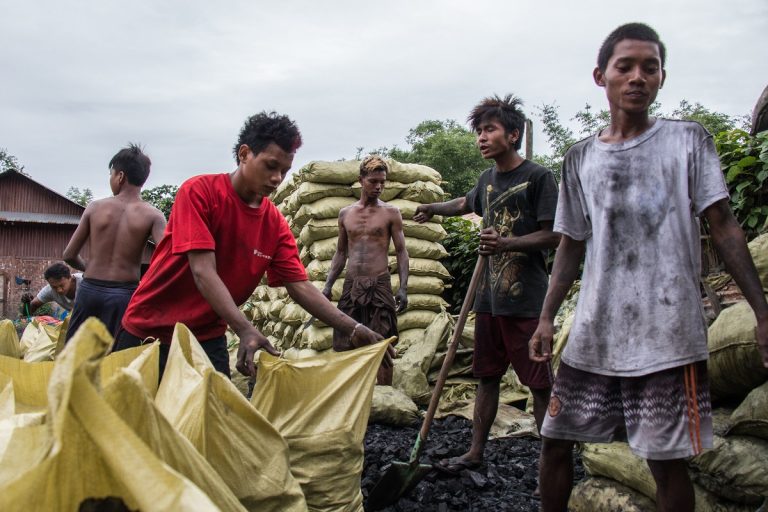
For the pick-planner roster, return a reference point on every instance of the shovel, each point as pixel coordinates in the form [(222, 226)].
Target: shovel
[(401, 477)]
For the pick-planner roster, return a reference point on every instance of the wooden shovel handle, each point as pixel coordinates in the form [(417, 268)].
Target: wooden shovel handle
[(454, 344)]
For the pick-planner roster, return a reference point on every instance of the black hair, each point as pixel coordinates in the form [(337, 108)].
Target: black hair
[(260, 130), (373, 163), (505, 110), (637, 31), (133, 162), (58, 270)]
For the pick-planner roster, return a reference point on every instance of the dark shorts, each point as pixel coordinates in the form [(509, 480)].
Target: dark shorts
[(106, 300), (215, 349), (663, 415), (503, 340)]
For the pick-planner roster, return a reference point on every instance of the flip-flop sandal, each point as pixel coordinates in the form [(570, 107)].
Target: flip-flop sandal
[(455, 465)]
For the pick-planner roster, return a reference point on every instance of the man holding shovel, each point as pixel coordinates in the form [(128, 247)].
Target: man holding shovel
[(516, 199)]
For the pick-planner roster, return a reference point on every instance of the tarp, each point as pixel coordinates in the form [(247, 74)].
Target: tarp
[(321, 406), (510, 421)]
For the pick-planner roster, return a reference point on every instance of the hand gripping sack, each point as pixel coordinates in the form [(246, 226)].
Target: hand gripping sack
[(321, 405), (237, 440), (87, 453)]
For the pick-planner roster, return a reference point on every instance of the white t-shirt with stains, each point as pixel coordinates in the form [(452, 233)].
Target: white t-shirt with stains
[(637, 206)]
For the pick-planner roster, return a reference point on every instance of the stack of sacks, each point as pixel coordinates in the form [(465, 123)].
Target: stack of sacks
[(311, 200)]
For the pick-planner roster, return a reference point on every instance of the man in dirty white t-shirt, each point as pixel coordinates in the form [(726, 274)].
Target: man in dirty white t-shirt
[(634, 367)]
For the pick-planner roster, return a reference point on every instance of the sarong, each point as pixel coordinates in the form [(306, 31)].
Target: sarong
[(368, 300)]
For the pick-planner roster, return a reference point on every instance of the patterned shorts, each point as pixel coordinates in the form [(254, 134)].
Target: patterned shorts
[(663, 415)]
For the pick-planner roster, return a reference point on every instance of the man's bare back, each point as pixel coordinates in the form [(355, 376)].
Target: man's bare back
[(118, 228)]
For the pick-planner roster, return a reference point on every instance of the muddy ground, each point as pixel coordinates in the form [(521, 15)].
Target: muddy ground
[(505, 483)]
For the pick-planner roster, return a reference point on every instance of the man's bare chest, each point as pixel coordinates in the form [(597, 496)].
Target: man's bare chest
[(366, 227)]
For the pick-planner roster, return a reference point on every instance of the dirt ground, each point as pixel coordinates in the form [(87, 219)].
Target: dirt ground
[(505, 482)]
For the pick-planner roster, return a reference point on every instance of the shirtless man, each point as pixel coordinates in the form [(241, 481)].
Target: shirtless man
[(365, 229), (118, 228)]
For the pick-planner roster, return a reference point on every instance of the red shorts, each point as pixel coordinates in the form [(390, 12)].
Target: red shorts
[(503, 340)]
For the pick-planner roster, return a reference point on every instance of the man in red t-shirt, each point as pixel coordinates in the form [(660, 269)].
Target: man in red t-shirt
[(222, 236)]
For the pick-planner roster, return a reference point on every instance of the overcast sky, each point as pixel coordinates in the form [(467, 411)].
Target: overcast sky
[(78, 80)]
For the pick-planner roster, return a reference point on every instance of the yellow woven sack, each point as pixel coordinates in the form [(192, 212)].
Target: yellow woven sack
[(410, 373), (408, 209), (423, 192), (415, 319), (39, 340), (325, 208), (83, 451), (321, 405), (344, 173), (606, 495), (751, 416), (410, 173), (9, 340), (30, 380), (126, 394), (735, 367), (758, 248), (318, 229), (246, 450), (431, 231)]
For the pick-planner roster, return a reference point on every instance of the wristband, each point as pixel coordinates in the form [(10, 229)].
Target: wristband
[(354, 329)]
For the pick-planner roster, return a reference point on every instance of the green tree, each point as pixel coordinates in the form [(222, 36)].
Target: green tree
[(447, 147), (161, 197), (81, 197), (462, 244), (8, 162), (714, 122), (744, 160)]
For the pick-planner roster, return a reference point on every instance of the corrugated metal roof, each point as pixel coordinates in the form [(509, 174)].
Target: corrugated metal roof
[(13, 173), (42, 218)]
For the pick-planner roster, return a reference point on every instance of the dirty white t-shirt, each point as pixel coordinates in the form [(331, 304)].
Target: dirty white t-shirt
[(636, 204), (48, 294)]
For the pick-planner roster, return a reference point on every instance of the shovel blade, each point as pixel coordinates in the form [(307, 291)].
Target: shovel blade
[(398, 480)]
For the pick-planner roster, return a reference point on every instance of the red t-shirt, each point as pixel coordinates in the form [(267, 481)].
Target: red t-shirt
[(209, 215)]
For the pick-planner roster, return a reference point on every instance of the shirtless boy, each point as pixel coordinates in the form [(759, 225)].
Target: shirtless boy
[(365, 229), (118, 228)]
